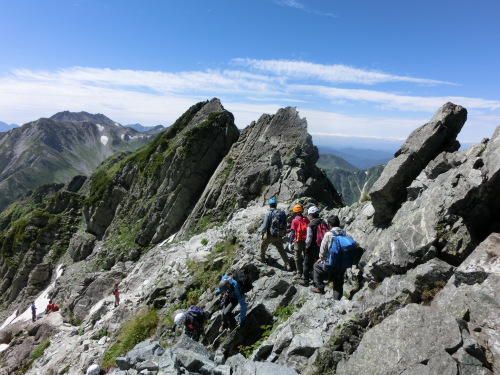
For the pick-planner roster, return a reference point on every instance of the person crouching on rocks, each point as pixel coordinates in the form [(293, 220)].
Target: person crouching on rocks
[(232, 295), (322, 270), (51, 307)]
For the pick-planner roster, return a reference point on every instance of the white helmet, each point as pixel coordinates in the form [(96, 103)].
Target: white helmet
[(179, 318), (312, 210), (93, 370)]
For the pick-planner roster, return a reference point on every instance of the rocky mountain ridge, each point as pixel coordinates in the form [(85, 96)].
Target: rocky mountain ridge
[(423, 299), (54, 150)]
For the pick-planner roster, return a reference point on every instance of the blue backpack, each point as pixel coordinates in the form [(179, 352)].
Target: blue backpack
[(342, 252), (278, 223)]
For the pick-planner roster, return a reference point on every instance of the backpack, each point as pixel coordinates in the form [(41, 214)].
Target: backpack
[(343, 252), (243, 281), (321, 229), (301, 232), (195, 317), (277, 227)]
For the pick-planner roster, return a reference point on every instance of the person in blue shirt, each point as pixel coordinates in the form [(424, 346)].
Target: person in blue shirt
[(33, 312), (232, 295)]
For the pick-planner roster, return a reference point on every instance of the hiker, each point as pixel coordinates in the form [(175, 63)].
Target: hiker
[(193, 320), (33, 311), (231, 296), (94, 370), (322, 269), (116, 293), (51, 307), (315, 233), (298, 234), (273, 229)]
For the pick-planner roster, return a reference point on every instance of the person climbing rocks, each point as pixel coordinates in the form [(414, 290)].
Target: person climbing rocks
[(116, 293), (298, 235), (322, 270), (94, 370), (33, 311), (231, 296), (273, 229), (315, 229), (193, 320), (51, 307)]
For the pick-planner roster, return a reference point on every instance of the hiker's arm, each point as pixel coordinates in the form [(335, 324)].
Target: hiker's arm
[(265, 222), (309, 236), (325, 246)]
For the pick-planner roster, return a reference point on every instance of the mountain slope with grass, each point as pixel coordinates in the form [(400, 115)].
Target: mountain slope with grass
[(54, 150), (428, 274)]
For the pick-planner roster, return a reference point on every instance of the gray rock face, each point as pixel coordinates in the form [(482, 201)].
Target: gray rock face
[(404, 341), (274, 157), (161, 185), (423, 145), (439, 220), (81, 246)]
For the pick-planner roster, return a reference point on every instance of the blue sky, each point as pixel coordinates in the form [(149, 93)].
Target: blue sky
[(357, 70)]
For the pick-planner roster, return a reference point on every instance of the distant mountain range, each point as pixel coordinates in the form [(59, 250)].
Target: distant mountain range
[(147, 129), (4, 127), (54, 150), (351, 182), (360, 158)]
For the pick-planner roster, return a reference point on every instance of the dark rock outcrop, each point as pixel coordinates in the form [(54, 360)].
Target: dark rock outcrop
[(423, 145)]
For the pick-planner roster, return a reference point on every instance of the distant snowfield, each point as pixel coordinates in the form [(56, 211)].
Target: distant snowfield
[(40, 303), (100, 127), (104, 140)]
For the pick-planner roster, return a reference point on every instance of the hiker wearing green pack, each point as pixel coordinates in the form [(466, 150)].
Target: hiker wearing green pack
[(273, 229), (330, 265)]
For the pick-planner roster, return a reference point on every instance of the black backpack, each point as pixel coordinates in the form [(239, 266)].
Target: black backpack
[(278, 223), (195, 318), (243, 281)]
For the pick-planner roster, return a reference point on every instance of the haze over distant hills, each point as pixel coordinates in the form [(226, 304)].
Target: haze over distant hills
[(56, 149), (147, 129), (359, 157), (4, 127)]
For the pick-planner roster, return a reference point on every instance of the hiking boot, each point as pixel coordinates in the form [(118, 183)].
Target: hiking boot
[(259, 258), (290, 267), (304, 282), (318, 290)]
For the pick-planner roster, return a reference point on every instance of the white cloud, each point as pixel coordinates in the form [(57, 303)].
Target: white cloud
[(330, 73), (152, 98)]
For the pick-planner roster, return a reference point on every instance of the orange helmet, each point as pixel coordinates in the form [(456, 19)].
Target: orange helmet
[(297, 208)]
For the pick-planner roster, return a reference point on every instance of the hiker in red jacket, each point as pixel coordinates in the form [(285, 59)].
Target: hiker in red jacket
[(51, 307), (298, 234), (116, 293)]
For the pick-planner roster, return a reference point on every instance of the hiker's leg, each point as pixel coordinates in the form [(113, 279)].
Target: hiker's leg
[(298, 247), (311, 256), (281, 250), (319, 275), (338, 283), (243, 310), (263, 247), (227, 314)]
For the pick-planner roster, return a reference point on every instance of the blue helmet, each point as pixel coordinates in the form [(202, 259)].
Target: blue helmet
[(272, 201)]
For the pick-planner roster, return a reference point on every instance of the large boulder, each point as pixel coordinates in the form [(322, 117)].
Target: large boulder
[(439, 219), (423, 145)]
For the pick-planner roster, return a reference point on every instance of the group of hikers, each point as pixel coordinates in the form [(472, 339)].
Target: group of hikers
[(51, 307), (322, 251)]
